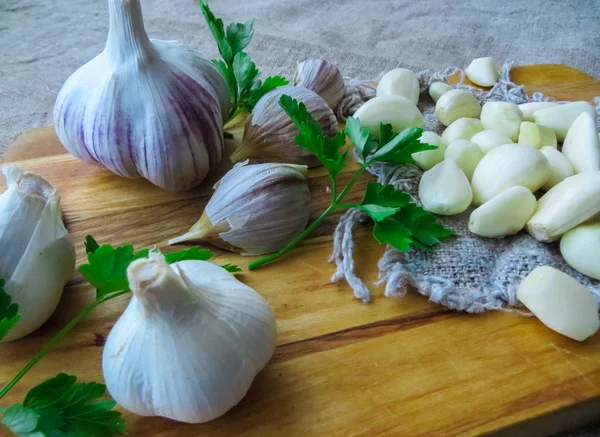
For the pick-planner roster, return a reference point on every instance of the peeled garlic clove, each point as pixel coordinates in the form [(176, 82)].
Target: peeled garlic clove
[(400, 82), (566, 205), (270, 134), (38, 257), (256, 209), (429, 158), (462, 129), (482, 71), (490, 139), (466, 154), (582, 146), (323, 78), (445, 189), (144, 108), (560, 167), (456, 104), (560, 302), (504, 214), (437, 89), (508, 166), (190, 342), (505, 117), (580, 247), (395, 110), (529, 108), (536, 135), (561, 117)]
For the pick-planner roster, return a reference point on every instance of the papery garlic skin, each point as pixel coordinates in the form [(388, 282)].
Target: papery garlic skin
[(561, 117), (482, 71), (429, 158), (144, 108), (269, 133), (504, 117), (560, 302), (466, 154), (437, 89), (398, 111), (580, 247), (560, 167), (456, 104), (400, 82), (462, 129), (445, 189), (504, 214), (508, 166), (582, 145), (489, 139), (190, 342), (528, 109), (38, 257), (568, 204), (323, 78), (256, 209)]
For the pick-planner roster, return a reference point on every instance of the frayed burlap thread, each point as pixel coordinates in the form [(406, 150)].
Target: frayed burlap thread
[(465, 273)]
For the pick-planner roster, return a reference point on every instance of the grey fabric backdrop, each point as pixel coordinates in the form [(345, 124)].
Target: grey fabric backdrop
[(43, 42)]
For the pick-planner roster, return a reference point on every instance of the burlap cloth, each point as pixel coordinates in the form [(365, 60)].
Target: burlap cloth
[(43, 42)]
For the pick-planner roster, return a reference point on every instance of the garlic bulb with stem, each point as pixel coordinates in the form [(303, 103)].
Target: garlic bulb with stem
[(323, 78), (256, 209), (270, 134), (144, 108), (38, 257), (196, 323)]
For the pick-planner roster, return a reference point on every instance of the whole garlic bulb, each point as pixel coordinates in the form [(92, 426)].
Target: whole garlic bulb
[(256, 209), (144, 108), (323, 78), (38, 257), (269, 133), (190, 342)]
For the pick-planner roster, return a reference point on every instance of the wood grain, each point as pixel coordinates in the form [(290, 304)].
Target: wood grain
[(395, 367)]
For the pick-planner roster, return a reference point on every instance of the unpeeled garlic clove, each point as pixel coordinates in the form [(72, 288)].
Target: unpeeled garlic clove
[(456, 104), (490, 139), (504, 214), (438, 89), (466, 154), (505, 117), (580, 247), (429, 158), (255, 209), (270, 134), (395, 110), (462, 129), (560, 167), (445, 189), (508, 166), (561, 117), (536, 135), (400, 82), (528, 109), (566, 205), (560, 302), (323, 78), (482, 71), (582, 146)]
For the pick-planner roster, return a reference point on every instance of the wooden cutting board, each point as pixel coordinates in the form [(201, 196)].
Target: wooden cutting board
[(394, 367)]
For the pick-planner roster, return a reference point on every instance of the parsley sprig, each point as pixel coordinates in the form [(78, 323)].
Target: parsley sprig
[(398, 221), (240, 73), (60, 406)]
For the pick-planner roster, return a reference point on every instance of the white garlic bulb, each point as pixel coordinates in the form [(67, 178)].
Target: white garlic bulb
[(256, 209), (398, 111), (580, 247), (536, 135), (490, 139), (462, 129), (400, 82), (528, 109), (582, 144), (38, 257), (429, 158), (144, 108), (456, 104), (505, 117), (560, 167), (190, 342), (482, 71), (445, 189), (323, 78), (561, 117), (437, 89), (466, 154)]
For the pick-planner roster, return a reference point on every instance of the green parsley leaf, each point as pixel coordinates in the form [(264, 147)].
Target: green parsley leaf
[(62, 407), (382, 201), (218, 30), (193, 253), (245, 72), (299, 115), (91, 245), (386, 134), (259, 89), (239, 35), (231, 268), (400, 148), (359, 136), (229, 78), (8, 311), (412, 225)]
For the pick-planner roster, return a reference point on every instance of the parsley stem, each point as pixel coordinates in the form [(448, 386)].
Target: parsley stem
[(57, 338)]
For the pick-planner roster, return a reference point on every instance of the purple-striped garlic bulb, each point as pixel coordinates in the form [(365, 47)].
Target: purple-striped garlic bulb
[(323, 78), (144, 108), (269, 133), (256, 209)]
